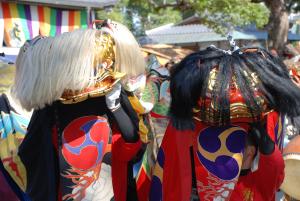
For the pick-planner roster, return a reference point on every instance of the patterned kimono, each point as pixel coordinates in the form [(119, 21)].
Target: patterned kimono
[(13, 127), (78, 146)]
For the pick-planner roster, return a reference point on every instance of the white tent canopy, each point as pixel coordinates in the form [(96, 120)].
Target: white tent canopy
[(73, 3)]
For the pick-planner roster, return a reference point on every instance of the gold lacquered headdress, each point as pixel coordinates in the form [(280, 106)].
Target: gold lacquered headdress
[(239, 111), (105, 76)]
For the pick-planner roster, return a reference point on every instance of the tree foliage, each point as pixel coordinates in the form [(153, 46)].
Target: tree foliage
[(140, 15), (117, 13), (221, 15), (278, 25), (290, 5)]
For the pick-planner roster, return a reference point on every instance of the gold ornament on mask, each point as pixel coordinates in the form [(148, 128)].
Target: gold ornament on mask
[(105, 76)]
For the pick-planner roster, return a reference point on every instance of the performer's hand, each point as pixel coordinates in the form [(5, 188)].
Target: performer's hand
[(265, 143), (112, 98)]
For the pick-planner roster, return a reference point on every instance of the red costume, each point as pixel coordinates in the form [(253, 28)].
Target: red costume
[(262, 184), (217, 165), (218, 99)]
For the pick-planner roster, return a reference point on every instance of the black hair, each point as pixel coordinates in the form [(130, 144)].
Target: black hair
[(250, 141), (190, 77)]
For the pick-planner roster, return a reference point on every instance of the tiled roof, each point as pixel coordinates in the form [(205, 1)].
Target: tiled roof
[(171, 34), (185, 29)]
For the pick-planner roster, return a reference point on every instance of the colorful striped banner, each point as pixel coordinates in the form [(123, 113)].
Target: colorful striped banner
[(34, 21), (83, 19), (28, 20), (71, 20), (77, 20), (58, 22), (21, 12), (65, 22), (23, 22), (44, 19)]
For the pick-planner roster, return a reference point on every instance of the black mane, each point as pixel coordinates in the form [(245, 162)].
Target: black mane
[(189, 84)]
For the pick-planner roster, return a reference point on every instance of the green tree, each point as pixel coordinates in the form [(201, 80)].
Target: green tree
[(139, 15), (117, 13), (221, 15), (152, 17), (278, 25), (226, 14)]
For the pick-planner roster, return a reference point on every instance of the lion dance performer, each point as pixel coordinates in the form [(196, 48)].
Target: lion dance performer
[(83, 121), (219, 99)]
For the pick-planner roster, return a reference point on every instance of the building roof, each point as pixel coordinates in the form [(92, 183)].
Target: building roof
[(190, 30), (194, 19), (73, 3), (294, 17), (165, 53), (173, 34)]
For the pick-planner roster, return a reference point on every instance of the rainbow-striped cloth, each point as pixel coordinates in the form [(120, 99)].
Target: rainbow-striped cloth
[(22, 22)]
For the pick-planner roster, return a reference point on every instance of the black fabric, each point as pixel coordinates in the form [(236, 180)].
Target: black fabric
[(265, 144), (4, 104), (97, 106), (194, 193), (131, 182), (68, 112), (65, 114), (131, 194), (125, 116), (244, 172), (128, 131), (126, 105), (38, 155)]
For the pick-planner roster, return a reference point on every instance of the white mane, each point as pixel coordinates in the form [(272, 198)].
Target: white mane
[(54, 64)]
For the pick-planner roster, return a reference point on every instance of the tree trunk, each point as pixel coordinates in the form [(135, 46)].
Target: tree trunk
[(278, 25)]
